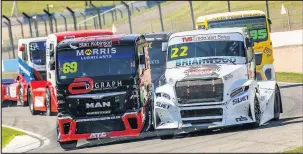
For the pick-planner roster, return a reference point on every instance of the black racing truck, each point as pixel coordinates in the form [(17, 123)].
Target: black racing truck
[(104, 88)]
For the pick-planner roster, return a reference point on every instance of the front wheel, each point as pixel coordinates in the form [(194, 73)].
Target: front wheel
[(277, 104), (48, 101), (30, 102), (257, 113), (21, 96)]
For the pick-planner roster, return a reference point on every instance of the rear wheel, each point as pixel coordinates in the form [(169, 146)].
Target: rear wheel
[(21, 96), (48, 111), (30, 102), (277, 104), (257, 113)]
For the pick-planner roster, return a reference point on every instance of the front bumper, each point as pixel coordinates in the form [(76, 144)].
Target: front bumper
[(83, 129)]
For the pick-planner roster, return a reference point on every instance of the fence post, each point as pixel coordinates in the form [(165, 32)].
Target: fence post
[(10, 34), (99, 16), (121, 13), (288, 19), (192, 14), (45, 24), (21, 25), (84, 19), (151, 26), (160, 13), (50, 21), (129, 16), (55, 23), (267, 12), (95, 22), (34, 18), (74, 17), (29, 23), (228, 5), (64, 21)]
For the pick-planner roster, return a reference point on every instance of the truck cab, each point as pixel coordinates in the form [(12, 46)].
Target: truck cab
[(31, 67), (41, 95), (211, 82), (157, 45), (104, 87)]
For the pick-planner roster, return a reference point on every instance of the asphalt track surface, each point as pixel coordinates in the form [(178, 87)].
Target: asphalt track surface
[(275, 136)]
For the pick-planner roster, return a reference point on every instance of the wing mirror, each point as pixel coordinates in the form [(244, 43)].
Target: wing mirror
[(248, 42), (142, 59), (52, 64), (164, 46)]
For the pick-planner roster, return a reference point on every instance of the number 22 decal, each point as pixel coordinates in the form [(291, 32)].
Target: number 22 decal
[(258, 34), (175, 51), (70, 67)]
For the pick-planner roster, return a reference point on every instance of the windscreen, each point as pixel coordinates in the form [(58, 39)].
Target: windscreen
[(205, 49), (96, 62), (37, 52), (157, 59), (256, 26)]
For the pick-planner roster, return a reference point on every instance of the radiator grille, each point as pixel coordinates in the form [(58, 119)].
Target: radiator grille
[(199, 91)]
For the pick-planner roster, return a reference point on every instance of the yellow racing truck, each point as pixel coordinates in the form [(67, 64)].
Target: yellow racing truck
[(258, 26)]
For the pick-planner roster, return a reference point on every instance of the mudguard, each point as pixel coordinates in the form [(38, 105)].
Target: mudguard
[(38, 93)]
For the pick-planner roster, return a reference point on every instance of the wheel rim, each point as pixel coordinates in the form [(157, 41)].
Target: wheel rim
[(47, 102), (21, 95), (257, 111), (30, 101)]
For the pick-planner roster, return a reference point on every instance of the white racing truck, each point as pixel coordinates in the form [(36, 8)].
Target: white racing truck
[(211, 82)]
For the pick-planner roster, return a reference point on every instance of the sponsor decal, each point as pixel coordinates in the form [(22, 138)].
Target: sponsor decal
[(104, 85), (236, 91), (99, 135), (162, 105), (99, 119), (98, 105), (81, 82), (228, 76), (240, 99), (154, 62), (69, 37), (241, 119), (198, 71), (97, 53), (211, 37), (98, 112), (199, 61), (268, 52)]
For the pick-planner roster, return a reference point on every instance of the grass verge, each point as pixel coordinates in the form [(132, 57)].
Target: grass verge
[(296, 150), (8, 134), (289, 77), (9, 75)]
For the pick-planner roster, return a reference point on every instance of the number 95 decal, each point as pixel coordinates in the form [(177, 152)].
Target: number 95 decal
[(175, 52), (70, 67)]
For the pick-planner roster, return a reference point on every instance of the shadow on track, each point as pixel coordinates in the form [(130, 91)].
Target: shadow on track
[(5, 104), (202, 132), (290, 86)]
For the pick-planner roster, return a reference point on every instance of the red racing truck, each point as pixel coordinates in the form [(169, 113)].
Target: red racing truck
[(41, 95), (104, 88)]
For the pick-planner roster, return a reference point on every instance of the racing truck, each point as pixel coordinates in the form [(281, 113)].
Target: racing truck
[(157, 45), (211, 83), (41, 94), (104, 88), (31, 67)]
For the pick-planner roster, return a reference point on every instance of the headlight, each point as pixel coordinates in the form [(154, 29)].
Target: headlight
[(238, 91)]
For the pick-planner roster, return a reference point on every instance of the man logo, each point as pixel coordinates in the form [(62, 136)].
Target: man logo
[(88, 52)]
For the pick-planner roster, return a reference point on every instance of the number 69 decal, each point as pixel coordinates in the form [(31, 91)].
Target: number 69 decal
[(175, 52), (70, 67)]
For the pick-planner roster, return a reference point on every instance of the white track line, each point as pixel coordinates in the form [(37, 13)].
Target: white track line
[(44, 139)]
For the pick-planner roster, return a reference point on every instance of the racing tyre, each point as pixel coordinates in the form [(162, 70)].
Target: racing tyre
[(147, 123), (277, 104), (48, 101), (165, 134), (257, 113), (69, 145), (30, 102), (21, 96)]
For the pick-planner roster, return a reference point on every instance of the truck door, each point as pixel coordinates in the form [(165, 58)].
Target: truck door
[(157, 60)]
